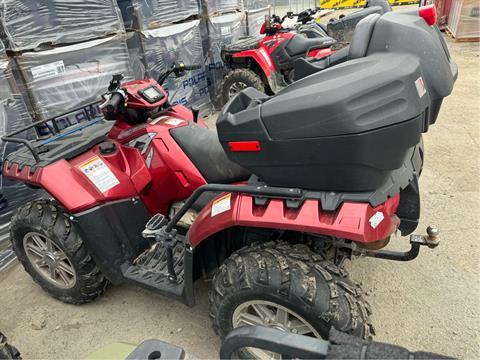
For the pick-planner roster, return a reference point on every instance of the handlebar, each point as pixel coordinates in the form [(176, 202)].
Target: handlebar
[(178, 69), (339, 346), (192, 67), (112, 104)]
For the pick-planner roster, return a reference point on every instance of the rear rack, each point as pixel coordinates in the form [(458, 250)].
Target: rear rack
[(56, 131)]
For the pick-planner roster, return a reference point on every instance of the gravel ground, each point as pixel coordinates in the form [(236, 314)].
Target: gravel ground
[(431, 303)]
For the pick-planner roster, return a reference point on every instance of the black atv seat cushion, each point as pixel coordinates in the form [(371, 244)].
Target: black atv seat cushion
[(206, 153), (246, 43), (300, 45), (304, 67)]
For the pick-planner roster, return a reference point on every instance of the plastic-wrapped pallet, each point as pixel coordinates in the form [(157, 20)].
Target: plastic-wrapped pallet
[(219, 7), (222, 30), (68, 77), (28, 24), (254, 19), (151, 14), (180, 42), (256, 4), (14, 112), (13, 115)]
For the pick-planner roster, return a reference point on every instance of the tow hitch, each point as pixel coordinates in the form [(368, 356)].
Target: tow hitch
[(431, 240)]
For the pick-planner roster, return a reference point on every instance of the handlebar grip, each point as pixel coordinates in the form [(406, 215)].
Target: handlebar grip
[(192, 67), (114, 102), (377, 351)]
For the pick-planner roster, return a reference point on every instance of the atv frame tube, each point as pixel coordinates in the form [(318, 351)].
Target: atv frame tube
[(56, 130)]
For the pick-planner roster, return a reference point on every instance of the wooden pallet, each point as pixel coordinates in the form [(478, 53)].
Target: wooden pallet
[(462, 39)]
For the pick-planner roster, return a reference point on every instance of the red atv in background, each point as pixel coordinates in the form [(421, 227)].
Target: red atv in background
[(266, 64), (270, 206)]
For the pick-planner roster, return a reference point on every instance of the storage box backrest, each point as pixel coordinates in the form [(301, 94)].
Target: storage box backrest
[(351, 126)]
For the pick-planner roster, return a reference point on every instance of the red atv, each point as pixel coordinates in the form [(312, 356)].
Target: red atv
[(266, 64), (271, 207), (269, 64)]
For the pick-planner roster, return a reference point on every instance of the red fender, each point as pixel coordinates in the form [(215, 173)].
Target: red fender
[(353, 221), (262, 58), (320, 53)]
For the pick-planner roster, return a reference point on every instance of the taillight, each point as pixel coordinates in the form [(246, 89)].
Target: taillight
[(240, 146), (428, 13)]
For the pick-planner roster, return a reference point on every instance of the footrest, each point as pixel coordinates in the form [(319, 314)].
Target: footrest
[(155, 223), (150, 270)]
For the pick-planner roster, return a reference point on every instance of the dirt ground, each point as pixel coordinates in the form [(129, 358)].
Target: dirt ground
[(431, 303)]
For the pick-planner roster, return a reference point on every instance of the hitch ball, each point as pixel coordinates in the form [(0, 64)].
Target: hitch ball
[(433, 238)]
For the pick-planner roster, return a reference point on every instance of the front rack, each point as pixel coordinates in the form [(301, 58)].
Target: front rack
[(56, 131)]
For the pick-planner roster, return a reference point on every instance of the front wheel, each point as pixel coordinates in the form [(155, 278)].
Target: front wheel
[(238, 80), (52, 251), (287, 287)]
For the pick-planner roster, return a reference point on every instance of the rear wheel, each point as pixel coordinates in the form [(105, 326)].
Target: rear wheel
[(238, 80), (287, 287), (52, 251)]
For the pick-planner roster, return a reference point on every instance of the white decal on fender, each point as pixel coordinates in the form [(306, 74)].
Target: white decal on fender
[(420, 85), (174, 122), (149, 158), (221, 204), (99, 174), (376, 219)]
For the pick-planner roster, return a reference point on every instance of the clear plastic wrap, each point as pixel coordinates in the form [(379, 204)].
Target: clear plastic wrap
[(151, 14), (256, 4), (180, 42), (68, 77), (219, 7), (14, 112), (222, 30), (135, 52), (28, 24), (254, 20), (13, 115)]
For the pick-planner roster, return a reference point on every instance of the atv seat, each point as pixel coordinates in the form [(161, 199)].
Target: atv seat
[(304, 67), (357, 49), (205, 151), (300, 45), (246, 43)]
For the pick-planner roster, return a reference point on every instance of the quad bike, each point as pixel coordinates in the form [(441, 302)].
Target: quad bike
[(266, 64), (271, 205), (341, 29)]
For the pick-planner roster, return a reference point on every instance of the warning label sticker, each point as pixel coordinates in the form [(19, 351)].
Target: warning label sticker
[(376, 219), (99, 174), (221, 204)]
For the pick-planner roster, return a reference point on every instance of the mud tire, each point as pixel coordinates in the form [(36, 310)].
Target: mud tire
[(7, 351), (48, 218), (292, 276), (246, 76)]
